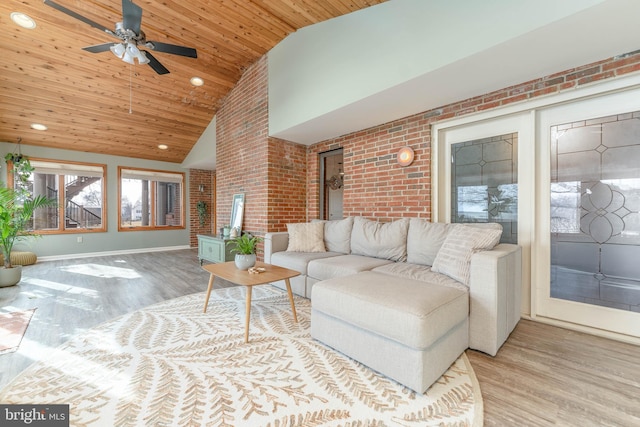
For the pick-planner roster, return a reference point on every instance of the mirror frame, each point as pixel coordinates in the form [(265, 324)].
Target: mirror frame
[(237, 212)]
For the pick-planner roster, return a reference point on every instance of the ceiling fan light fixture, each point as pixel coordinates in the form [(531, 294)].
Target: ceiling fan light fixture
[(142, 58), (23, 20), (134, 52), (128, 58), (133, 49), (118, 49)]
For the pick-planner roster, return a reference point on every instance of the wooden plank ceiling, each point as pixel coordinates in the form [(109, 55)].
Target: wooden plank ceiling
[(84, 98)]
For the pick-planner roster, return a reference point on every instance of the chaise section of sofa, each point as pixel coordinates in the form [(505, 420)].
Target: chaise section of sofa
[(409, 330)]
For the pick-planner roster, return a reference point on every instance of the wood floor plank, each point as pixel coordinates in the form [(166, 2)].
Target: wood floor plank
[(542, 376), (549, 376)]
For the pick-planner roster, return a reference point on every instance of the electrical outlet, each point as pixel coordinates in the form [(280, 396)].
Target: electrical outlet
[(79, 239)]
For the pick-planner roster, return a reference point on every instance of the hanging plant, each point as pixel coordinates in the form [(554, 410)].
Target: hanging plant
[(201, 207), (20, 167)]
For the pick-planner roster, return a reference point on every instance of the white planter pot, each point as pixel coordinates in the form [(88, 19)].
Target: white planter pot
[(10, 276), (245, 262)]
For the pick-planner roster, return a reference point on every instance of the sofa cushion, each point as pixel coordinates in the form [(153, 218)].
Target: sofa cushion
[(380, 240), (424, 240), (454, 257), (298, 261), (422, 273), (411, 312), (337, 235), (306, 237), (343, 265)]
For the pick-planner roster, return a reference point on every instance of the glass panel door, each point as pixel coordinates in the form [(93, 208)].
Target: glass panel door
[(587, 251), (483, 172), (595, 211)]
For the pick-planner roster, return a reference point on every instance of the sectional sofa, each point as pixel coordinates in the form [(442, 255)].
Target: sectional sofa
[(407, 297)]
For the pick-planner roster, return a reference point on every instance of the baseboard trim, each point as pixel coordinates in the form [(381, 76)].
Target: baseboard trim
[(588, 330), (111, 253)]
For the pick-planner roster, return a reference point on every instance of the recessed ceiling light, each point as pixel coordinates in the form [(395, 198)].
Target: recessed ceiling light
[(163, 146), (196, 81), (38, 126), (25, 21)]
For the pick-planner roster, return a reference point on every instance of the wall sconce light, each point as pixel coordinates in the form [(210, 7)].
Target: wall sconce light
[(405, 156), (201, 188)]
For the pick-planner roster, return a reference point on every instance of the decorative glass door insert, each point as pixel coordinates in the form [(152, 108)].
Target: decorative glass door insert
[(484, 183), (595, 211)]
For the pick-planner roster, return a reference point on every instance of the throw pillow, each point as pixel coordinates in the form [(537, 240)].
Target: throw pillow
[(380, 240), (306, 237), (454, 257)]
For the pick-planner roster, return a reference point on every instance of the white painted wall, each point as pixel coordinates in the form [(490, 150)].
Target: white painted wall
[(111, 240), (405, 56), (203, 153)]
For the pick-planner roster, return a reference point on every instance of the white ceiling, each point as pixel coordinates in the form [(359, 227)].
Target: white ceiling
[(592, 31)]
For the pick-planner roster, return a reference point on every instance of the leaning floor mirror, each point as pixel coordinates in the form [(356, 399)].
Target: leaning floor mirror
[(237, 213)]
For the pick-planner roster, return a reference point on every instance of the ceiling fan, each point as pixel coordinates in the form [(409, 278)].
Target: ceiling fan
[(131, 36)]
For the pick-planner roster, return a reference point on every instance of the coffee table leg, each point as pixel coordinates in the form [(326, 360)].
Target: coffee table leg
[(293, 306), (206, 299), (248, 316)]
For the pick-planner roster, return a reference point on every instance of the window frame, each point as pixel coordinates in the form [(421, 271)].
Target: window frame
[(152, 198), (62, 196)]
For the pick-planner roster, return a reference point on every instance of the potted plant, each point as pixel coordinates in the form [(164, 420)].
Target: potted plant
[(245, 247), (16, 210), (15, 217), (201, 207)]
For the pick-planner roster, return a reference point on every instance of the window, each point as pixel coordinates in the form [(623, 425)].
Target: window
[(150, 199), (79, 190)]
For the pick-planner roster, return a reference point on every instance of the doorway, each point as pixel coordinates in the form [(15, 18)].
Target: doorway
[(331, 185), (480, 175)]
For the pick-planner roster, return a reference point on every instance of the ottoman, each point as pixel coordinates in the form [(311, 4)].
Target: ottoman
[(21, 258), (408, 330)]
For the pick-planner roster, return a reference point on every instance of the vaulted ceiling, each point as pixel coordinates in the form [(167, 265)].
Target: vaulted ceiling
[(95, 102)]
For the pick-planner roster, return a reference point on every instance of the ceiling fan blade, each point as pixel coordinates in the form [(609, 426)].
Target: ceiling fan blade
[(155, 64), (131, 16), (98, 48), (79, 17), (172, 48)]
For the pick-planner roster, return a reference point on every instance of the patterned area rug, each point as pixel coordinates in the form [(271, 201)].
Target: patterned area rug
[(172, 365), (13, 325)]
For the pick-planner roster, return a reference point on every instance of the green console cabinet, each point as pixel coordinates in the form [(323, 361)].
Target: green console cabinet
[(214, 248)]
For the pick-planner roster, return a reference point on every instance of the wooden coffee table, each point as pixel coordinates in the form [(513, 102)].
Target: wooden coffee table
[(229, 271)]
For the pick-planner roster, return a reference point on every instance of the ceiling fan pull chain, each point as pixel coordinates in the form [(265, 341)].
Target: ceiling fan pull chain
[(130, 90)]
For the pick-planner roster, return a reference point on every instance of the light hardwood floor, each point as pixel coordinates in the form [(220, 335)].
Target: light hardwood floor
[(543, 375)]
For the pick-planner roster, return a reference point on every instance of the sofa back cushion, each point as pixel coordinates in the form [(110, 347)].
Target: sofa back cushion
[(424, 240), (454, 257), (380, 240), (306, 237), (337, 235)]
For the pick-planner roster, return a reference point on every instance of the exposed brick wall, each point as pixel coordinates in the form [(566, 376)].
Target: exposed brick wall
[(199, 177), (281, 187), (270, 172), (241, 149), (287, 189), (375, 186)]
